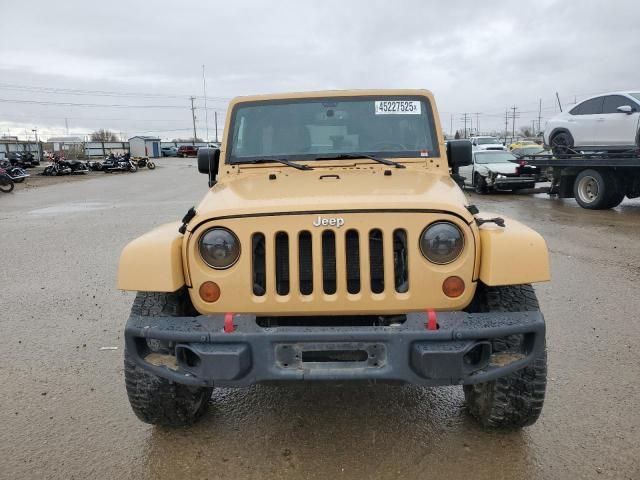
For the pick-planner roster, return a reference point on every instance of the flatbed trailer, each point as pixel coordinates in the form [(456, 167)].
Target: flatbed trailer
[(597, 180)]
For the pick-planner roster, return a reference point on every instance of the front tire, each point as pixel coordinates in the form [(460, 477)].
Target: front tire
[(515, 400), (153, 399), (151, 165), (562, 144), (480, 184), (6, 186)]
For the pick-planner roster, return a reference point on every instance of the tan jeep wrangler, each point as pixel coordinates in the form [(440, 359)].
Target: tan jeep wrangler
[(335, 244)]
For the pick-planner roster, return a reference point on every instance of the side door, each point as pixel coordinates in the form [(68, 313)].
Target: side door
[(617, 128), (583, 120), (467, 171)]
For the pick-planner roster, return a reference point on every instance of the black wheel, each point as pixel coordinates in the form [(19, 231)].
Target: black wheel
[(562, 144), (133, 168), (6, 185), (151, 165), (597, 189), (516, 400), (480, 184), (154, 399)]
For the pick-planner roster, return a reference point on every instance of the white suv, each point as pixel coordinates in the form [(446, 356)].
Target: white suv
[(486, 143), (607, 122)]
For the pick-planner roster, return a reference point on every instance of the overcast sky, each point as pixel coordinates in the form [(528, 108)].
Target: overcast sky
[(140, 61)]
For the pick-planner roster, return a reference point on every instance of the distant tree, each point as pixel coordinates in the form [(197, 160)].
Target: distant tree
[(526, 132), (103, 135), (185, 140), (457, 135)]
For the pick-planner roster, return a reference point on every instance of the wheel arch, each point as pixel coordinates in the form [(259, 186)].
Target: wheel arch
[(558, 130), (153, 261), (512, 255)]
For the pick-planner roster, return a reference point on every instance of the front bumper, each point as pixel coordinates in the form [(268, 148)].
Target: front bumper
[(503, 182), (458, 352)]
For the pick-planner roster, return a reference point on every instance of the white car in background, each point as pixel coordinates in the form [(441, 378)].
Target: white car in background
[(606, 122), (486, 143), (497, 170)]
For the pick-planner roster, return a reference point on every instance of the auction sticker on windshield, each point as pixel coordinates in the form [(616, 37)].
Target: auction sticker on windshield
[(397, 107)]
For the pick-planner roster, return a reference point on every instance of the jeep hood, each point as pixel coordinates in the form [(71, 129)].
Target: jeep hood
[(281, 190)]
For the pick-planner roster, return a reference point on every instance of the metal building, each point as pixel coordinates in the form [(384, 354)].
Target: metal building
[(142, 146)]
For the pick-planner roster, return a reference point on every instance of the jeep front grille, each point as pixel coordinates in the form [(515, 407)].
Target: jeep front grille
[(341, 253)]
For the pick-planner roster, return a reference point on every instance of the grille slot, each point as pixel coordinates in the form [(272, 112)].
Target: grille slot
[(305, 263), (400, 261), (329, 262), (376, 260), (352, 253), (258, 265), (282, 263)]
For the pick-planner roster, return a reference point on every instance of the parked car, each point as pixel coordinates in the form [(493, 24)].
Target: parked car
[(607, 122), (188, 151), (486, 143), (494, 170), (527, 150), (171, 151), (523, 143)]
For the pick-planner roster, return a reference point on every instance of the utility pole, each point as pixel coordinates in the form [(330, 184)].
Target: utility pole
[(506, 124), (193, 115), (465, 117), (539, 117), (513, 124), (66, 125), (35, 130), (215, 116), (451, 128), (477, 114), (206, 113)]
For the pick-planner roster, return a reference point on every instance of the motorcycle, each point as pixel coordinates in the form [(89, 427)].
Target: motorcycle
[(119, 164), (145, 162), (58, 167), (23, 160), (76, 166), (17, 174), (6, 183), (94, 165)]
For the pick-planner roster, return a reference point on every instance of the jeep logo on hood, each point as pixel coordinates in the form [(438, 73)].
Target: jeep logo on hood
[(328, 222)]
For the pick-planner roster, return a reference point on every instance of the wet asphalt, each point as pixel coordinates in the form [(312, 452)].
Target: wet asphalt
[(63, 406)]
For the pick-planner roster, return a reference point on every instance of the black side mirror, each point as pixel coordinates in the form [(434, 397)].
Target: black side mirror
[(209, 163), (459, 154)]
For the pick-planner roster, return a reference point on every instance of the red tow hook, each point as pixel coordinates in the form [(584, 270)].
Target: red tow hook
[(228, 323), (432, 320)]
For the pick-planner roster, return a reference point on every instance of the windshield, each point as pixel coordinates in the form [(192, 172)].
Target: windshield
[(636, 95), (494, 157), (487, 140), (311, 128)]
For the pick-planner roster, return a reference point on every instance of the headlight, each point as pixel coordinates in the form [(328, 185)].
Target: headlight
[(441, 242), (219, 248)]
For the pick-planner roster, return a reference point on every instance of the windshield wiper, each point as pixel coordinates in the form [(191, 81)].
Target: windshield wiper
[(342, 156), (283, 161)]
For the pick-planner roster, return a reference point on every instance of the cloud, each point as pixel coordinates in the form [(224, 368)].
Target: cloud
[(476, 57)]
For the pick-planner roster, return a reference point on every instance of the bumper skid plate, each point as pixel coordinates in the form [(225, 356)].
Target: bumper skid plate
[(200, 352)]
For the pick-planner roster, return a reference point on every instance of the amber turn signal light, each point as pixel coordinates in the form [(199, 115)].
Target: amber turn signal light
[(209, 292), (453, 287)]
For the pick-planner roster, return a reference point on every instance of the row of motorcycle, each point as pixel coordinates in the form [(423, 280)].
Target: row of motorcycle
[(14, 170), (113, 163)]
